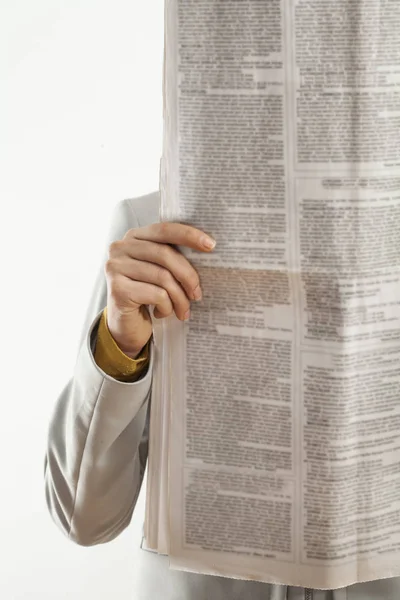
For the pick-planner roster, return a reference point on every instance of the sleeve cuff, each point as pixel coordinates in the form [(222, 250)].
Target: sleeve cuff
[(110, 358)]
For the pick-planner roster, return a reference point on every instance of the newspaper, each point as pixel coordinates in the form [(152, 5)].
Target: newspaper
[(275, 446)]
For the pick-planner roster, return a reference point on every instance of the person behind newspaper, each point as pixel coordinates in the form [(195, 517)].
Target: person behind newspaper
[(98, 435)]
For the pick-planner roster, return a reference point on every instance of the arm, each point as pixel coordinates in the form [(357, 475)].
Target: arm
[(97, 436), (111, 359)]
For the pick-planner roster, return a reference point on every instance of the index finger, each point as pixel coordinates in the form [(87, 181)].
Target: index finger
[(177, 234)]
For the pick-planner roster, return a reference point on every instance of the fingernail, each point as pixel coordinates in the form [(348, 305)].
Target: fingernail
[(187, 315), (197, 295), (208, 242)]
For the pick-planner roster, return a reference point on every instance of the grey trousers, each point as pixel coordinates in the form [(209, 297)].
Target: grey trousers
[(383, 589), (153, 579)]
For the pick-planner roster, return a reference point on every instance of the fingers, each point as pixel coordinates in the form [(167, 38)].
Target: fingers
[(126, 290), (155, 271), (157, 314), (177, 234), (165, 256), (140, 271)]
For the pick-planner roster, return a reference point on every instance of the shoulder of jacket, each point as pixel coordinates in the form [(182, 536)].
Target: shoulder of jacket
[(145, 209)]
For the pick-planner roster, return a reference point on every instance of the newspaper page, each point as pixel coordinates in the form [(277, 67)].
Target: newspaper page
[(282, 141), (156, 525)]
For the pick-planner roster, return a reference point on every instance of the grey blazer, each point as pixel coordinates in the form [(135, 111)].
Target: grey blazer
[(97, 452)]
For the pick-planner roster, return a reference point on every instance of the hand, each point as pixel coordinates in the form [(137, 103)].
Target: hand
[(144, 269)]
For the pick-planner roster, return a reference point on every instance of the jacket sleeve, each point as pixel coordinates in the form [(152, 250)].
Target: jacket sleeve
[(97, 439)]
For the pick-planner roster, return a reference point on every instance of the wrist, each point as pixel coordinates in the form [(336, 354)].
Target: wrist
[(131, 353), (114, 327)]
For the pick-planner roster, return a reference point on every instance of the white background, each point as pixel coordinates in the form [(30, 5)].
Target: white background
[(80, 129)]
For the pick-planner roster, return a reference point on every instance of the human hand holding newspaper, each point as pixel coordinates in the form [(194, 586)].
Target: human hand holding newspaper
[(144, 268)]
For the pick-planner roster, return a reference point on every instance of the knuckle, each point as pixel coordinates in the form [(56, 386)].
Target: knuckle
[(193, 279), (190, 277), (185, 305), (163, 295), (130, 233), (163, 277), (164, 227), (163, 252), (191, 236), (109, 266), (114, 248)]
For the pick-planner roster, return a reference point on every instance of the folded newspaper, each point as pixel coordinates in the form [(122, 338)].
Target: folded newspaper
[(275, 422)]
